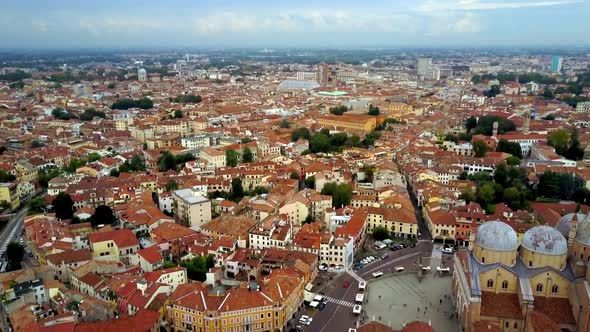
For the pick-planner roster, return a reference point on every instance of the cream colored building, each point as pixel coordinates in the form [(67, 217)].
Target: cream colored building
[(192, 208), (213, 157)]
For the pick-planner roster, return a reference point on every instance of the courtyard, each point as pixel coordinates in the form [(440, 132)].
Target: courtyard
[(395, 300)]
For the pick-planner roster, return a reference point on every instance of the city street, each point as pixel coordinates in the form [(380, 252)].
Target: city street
[(13, 229), (337, 315)]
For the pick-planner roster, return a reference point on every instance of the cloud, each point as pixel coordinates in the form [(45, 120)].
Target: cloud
[(302, 21), (471, 5)]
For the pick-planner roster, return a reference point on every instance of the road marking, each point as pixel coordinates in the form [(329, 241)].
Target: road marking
[(335, 311), (340, 302), (354, 275), (390, 262)]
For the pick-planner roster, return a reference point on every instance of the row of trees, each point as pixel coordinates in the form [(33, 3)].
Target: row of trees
[(186, 99), (510, 77), (127, 103), (63, 206), (62, 114), (76, 163), (168, 161), (137, 164), (90, 113)]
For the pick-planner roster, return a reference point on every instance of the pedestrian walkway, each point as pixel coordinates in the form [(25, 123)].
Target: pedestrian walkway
[(355, 276), (340, 302)]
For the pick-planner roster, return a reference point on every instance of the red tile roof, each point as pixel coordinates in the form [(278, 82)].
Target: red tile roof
[(122, 237), (151, 254)]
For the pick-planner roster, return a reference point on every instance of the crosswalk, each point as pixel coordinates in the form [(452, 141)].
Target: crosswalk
[(339, 302)]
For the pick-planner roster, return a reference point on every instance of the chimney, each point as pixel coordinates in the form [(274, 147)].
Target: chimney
[(142, 286)]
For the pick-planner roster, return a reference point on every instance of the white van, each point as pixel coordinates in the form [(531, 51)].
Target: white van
[(443, 269), (359, 298), (377, 274), (399, 269), (362, 285), (356, 309)]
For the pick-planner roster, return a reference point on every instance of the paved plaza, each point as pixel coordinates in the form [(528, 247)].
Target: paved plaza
[(399, 299)]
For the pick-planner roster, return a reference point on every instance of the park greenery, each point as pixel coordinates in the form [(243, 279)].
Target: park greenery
[(197, 267), (61, 114), (566, 143), (63, 206)]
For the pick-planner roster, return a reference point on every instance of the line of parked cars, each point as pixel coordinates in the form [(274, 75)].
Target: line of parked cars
[(368, 260)]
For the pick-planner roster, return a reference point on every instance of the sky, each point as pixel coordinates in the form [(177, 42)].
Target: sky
[(76, 24)]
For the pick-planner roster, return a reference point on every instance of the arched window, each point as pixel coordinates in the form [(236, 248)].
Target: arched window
[(530, 263), (490, 283), (483, 259), (504, 284), (554, 289), (539, 287)]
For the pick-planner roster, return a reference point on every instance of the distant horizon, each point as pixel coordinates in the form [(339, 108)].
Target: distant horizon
[(109, 24)]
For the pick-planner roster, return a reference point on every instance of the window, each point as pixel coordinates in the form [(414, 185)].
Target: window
[(530, 263), (504, 284), (554, 289), (507, 324), (483, 259), (490, 283), (515, 325), (539, 287)]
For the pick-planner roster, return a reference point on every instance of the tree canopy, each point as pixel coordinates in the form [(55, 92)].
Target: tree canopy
[(63, 206), (300, 133), (341, 193), (90, 113), (127, 103), (509, 147), (380, 233), (374, 110), (231, 158), (480, 148), (338, 110), (247, 155), (103, 215)]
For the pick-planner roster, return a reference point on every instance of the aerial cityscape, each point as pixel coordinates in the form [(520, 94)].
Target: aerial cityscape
[(233, 166)]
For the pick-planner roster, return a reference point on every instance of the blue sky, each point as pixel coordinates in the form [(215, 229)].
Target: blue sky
[(284, 23)]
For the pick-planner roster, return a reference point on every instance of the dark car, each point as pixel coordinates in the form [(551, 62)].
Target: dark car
[(322, 305), (393, 248)]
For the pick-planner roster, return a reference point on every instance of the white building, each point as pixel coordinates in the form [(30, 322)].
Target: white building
[(192, 208)]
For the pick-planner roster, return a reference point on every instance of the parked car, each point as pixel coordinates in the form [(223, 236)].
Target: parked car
[(384, 256), (447, 250)]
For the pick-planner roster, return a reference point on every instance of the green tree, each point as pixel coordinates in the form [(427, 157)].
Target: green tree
[(575, 151), (341, 193), (512, 148), (145, 103), (103, 215), (308, 219), (231, 158), (549, 117), (14, 254), (247, 155), (470, 123), (548, 185), (467, 195), (369, 171), (294, 175), (36, 205), (115, 172), (111, 85), (501, 174), (374, 110), (45, 175), (559, 139), (380, 233), (485, 125), (63, 206), (285, 124), (300, 133), (310, 182), (178, 114), (338, 110), (319, 143), (166, 161), (451, 138), (37, 144), (547, 94), (493, 91), (6, 177), (513, 161), (237, 191), (486, 194), (480, 148), (513, 198), (137, 164), (171, 185)]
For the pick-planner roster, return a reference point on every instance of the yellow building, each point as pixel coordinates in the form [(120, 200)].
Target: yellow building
[(498, 283), (400, 221), (267, 306), (213, 156), (113, 245), (9, 194), (360, 122), (26, 171)]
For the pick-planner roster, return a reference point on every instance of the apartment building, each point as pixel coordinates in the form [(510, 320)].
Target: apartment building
[(192, 208)]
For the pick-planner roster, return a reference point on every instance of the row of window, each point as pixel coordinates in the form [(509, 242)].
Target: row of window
[(539, 288)]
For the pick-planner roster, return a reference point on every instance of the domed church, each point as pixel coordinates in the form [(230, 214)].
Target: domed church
[(507, 280)]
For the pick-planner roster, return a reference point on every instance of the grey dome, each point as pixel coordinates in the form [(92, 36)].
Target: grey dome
[(583, 233), (565, 223), (544, 240), (496, 235)]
